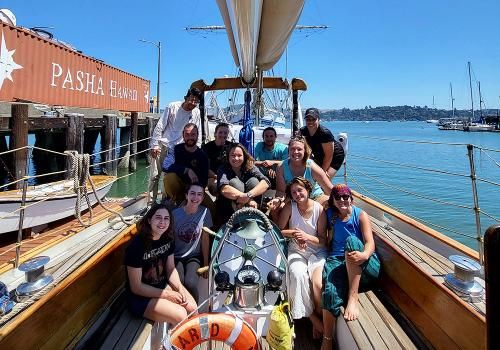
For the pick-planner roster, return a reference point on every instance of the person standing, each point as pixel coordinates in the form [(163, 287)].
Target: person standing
[(328, 153), (168, 133), (269, 153)]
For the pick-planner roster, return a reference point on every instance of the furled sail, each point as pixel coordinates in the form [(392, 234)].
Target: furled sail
[(258, 31)]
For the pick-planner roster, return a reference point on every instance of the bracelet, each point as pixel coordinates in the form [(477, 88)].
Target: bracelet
[(327, 338)]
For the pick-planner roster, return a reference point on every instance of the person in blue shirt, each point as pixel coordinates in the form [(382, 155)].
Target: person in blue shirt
[(352, 263), (269, 153)]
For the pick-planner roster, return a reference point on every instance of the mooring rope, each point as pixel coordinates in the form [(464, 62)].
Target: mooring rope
[(79, 168)]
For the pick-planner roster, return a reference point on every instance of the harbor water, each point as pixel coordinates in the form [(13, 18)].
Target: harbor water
[(385, 169)]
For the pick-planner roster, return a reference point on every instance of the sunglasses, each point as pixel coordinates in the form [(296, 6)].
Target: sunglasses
[(344, 197)]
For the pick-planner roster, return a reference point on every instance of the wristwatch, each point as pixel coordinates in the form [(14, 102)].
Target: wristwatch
[(249, 194)]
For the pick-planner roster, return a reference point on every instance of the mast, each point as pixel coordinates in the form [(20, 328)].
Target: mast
[(471, 97), (480, 101), (452, 99)]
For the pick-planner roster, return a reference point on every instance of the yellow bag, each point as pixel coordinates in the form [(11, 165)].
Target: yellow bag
[(280, 334)]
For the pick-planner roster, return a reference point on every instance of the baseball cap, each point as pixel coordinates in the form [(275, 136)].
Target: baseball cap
[(312, 112)]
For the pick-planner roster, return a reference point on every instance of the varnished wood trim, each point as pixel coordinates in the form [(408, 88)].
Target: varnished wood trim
[(21, 324), (236, 83), (458, 320)]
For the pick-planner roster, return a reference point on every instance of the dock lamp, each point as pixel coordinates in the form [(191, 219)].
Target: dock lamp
[(158, 45)]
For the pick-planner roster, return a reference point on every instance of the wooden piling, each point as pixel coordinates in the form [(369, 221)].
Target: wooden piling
[(19, 138), (74, 135), (151, 127), (109, 144), (492, 278), (124, 150), (134, 124)]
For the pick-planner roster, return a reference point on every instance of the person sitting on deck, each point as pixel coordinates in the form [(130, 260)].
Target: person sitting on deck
[(239, 181), (167, 133), (191, 246), (299, 164), (185, 165), (153, 287), (304, 222), (216, 151), (269, 153), (352, 263), (328, 153)]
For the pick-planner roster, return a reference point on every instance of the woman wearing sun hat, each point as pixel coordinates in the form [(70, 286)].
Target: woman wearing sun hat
[(352, 262)]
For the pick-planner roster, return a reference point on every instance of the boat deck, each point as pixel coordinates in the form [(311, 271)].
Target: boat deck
[(433, 263), (61, 230)]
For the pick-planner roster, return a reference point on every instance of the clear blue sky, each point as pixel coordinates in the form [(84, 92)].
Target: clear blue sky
[(386, 52)]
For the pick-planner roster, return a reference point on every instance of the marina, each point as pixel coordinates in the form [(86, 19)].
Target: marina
[(430, 199)]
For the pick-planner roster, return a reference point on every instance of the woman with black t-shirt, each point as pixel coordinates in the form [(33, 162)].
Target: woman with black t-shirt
[(154, 290)]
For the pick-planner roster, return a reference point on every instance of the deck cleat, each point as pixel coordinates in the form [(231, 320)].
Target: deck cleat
[(36, 278), (462, 282)]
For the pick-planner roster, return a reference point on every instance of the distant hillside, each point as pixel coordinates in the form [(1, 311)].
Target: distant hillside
[(397, 113)]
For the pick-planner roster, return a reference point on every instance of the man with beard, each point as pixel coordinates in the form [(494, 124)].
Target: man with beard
[(269, 153), (167, 133), (187, 164)]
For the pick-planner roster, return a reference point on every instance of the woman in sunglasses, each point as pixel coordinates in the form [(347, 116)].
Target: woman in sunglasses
[(352, 262)]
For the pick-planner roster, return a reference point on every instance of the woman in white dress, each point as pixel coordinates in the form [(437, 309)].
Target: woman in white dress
[(303, 220)]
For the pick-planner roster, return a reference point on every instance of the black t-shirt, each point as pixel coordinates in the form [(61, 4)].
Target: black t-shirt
[(153, 261), (196, 161), (216, 154), (322, 135)]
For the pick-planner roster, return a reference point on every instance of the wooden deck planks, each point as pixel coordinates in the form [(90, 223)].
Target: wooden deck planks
[(435, 264)]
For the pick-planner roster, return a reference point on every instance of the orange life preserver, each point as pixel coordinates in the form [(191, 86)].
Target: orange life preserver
[(214, 326)]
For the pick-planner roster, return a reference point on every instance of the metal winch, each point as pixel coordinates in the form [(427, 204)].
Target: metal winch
[(36, 278), (6, 304), (462, 282)]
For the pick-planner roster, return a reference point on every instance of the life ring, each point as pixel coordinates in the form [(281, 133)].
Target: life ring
[(226, 328)]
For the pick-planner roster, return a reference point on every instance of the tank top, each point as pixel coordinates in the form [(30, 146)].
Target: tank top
[(342, 230), (287, 174), (309, 226)]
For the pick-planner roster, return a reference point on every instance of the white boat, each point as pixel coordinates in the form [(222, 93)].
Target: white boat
[(47, 203), (479, 127)]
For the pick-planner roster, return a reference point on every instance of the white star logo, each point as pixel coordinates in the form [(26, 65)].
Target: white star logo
[(7, 64)]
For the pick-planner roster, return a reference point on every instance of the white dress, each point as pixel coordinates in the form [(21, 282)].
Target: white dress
[(302, 263)]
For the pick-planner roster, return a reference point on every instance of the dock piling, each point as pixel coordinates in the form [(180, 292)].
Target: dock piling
[(109, 144), (134, 129), (19, 126)]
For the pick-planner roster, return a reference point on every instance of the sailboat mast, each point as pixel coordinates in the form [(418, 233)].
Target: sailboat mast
[(471, 97), (480, 101), (452, 100)]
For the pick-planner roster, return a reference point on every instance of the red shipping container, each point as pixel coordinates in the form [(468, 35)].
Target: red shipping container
[(39, 70)]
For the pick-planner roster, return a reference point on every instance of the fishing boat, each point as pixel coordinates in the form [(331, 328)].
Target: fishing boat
[(47, 202), (424, 299)]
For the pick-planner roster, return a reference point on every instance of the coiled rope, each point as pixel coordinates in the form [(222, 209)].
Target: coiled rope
[(79, 171)]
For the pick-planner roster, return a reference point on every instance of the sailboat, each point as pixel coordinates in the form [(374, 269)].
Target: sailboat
[(419, 303), (477, 124)]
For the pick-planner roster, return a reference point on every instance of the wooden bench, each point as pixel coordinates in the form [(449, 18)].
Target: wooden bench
[(117, 328), (375, 328)]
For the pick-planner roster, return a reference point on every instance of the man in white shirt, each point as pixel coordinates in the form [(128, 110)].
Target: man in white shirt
[(168, 133)]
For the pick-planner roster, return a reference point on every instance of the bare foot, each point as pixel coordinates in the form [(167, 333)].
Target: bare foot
[(327, 343), (317, 326), (351, 312)]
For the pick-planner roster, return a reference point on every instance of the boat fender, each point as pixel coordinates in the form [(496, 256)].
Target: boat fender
[(231, 330), (342, 138)]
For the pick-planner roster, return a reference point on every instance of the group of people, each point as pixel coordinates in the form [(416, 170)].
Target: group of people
[(331, 252)]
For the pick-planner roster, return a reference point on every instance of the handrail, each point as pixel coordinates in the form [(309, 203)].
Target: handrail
[(355, 173)]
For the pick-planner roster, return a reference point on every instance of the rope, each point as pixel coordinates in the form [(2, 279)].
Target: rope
[(411, 193), (411, 166), (431, 224), (79, 170)]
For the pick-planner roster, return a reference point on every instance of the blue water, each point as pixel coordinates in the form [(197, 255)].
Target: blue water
[(392, 183)]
